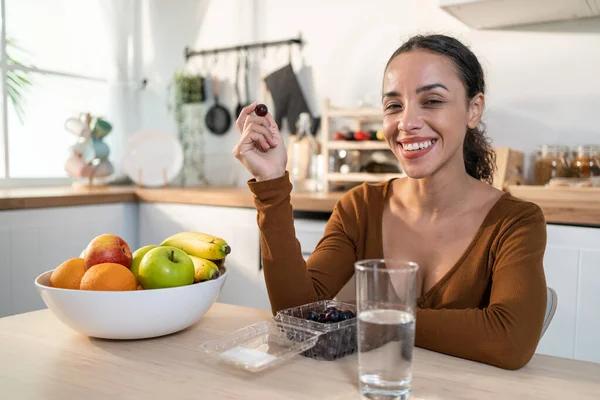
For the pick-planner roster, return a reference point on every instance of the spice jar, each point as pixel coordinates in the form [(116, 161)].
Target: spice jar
[(551, 162), (585, 163)]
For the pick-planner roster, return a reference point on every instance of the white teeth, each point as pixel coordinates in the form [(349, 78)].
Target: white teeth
[(420, 145)]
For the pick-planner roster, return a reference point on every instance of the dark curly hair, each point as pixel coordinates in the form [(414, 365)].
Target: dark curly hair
[(480, 159)]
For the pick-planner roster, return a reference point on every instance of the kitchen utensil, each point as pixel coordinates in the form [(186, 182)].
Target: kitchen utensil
[(135, 314), (240, 105), (152, 158), (287, 95), (218, 119)]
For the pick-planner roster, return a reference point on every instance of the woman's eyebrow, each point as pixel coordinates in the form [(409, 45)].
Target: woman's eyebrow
[(430, 87), (425, 88)]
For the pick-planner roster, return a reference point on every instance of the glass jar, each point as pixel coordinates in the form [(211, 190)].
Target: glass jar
[(585, 162), (551, 162)]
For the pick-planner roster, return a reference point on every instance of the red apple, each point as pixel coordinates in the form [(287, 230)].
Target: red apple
[(107, 248)]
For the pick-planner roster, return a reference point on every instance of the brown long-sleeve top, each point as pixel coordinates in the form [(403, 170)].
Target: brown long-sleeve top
[(489, 307)]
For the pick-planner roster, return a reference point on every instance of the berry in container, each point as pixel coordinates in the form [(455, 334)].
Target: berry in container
[(335, 320)]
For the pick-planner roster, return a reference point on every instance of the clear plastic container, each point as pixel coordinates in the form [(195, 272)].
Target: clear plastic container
[(261, 345), (337, 339)]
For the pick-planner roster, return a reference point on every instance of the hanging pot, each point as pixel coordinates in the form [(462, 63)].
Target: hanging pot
[(218, 119)]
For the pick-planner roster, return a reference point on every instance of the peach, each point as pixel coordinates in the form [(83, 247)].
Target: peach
[(107, 248)]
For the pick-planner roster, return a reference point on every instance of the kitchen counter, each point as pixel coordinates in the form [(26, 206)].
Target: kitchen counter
[(62, 196), (560, 205), (573, 206), (40, 358)]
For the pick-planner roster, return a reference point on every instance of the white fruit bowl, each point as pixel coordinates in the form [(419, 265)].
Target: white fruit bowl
[(136, 314)]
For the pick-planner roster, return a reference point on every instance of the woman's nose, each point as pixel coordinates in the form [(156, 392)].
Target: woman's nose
[(410, 120)]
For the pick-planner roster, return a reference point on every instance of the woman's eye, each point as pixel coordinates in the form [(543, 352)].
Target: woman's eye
[(433, 102), (393, 106)]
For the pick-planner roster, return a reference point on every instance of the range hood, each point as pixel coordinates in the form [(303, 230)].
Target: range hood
[(486, 14)]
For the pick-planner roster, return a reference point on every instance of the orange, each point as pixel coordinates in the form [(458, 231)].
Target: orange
[(108, 276), (68, 274)]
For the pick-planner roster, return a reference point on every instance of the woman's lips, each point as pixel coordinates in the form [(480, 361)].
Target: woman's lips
[(412, 154)]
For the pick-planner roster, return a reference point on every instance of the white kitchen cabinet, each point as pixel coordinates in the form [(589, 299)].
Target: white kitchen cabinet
[(587, 345), (572, 266), (37, 240), (245, 284), (560, 267), (485, 14)]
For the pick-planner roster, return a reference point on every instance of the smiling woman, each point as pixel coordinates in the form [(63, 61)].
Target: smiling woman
[(482, 291), (478, 156)]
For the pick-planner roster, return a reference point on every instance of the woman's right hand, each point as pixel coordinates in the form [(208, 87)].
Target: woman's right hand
[(260, 148)]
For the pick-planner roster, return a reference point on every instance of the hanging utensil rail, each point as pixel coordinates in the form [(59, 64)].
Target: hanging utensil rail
[(289, 42)]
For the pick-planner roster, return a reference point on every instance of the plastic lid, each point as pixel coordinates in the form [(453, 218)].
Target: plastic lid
[(261, 345)]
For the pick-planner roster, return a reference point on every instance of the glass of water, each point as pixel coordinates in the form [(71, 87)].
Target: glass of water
[(386, 301)]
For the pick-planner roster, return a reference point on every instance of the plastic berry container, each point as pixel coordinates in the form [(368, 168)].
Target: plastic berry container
[(261, 345), (337, 339)]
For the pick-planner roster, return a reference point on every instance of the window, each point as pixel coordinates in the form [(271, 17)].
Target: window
[(61, 58)]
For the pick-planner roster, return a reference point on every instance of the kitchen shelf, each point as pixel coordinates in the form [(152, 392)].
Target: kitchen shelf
[(358, 145), (356, 113), (360, 117), (361, 177)]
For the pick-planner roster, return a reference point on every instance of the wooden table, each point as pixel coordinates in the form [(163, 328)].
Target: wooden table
[(40, 358)]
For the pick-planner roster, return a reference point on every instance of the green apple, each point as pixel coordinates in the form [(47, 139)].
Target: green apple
[(164, 267), (137, 258)]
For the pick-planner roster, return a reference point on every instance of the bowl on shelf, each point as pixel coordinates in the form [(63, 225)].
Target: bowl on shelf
[(136, 314)]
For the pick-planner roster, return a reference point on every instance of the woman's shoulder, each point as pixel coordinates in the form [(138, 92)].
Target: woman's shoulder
[(516, 208), (513, 215)]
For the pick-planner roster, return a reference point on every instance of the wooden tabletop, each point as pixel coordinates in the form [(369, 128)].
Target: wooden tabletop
[(40, 358)]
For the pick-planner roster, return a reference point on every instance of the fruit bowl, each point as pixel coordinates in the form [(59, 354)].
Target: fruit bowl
[(136, 314)]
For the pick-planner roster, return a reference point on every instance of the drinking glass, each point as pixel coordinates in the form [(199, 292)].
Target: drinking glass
[(386, 301)]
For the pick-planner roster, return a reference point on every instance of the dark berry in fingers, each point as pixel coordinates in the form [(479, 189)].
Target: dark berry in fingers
[(261, 110)]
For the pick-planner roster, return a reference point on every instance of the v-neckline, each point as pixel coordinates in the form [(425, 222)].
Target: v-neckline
[(460, 260)]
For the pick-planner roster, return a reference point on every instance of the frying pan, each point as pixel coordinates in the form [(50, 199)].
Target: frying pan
[(218, 119)]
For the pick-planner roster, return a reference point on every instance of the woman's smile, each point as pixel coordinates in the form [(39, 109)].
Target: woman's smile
[(416, 147)]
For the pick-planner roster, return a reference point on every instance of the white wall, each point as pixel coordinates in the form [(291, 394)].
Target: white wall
[(543, 81)]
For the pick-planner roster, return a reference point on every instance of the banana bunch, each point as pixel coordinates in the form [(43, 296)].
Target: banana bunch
[(207, 252)]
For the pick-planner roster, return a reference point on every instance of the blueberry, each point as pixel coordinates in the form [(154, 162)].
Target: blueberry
[(349, 314), (332, 316), (322, 318), (312, 316), (261, 110), (330, 308)]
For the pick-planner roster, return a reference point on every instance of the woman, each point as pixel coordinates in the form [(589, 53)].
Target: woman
[(480, 250)]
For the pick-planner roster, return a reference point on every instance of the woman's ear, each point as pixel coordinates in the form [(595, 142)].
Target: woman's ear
[(476, 106)]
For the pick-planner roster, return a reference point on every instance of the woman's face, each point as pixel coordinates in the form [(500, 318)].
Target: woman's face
[(426, 112)]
